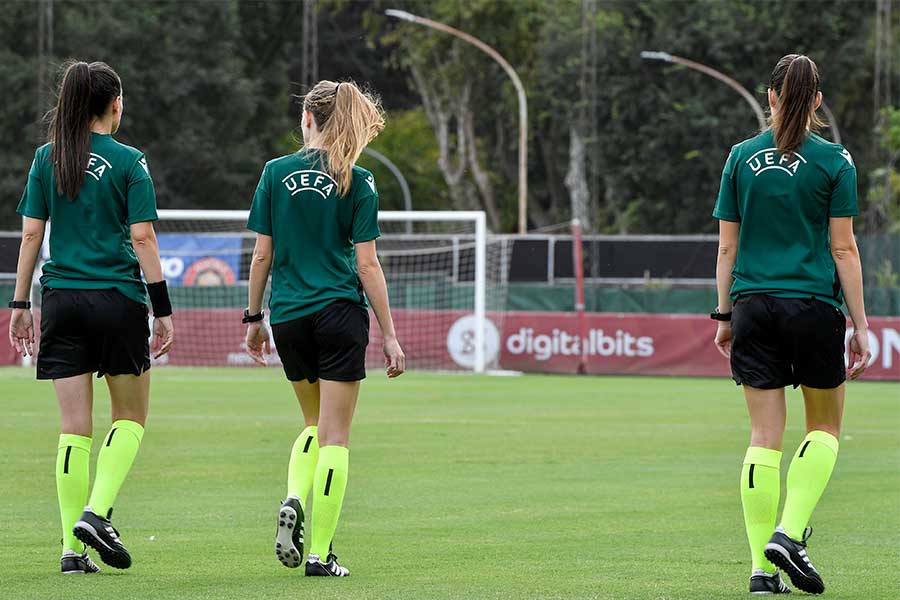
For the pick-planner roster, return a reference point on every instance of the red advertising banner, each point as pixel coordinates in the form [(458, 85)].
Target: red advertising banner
[(533, 342)]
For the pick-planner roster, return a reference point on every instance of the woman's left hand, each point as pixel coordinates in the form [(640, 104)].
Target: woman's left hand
[(21, 331), (258, 342), (723, 339)]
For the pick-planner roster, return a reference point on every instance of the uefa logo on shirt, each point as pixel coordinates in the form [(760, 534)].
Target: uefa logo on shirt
[(309, 180), (97, 166)]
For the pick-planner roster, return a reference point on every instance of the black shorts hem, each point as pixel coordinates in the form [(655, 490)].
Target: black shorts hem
[(294, 378), (49, 375), (763, 385)]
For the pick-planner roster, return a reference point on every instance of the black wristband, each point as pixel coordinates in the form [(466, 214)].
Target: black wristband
[(20, 304), (159, 298), (721, 317), (248, 318)]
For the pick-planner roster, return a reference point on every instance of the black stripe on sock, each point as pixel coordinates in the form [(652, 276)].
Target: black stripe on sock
[(109, 439), (328, 481), (308, 442), (751, 475), (803, 449), (66, 465)]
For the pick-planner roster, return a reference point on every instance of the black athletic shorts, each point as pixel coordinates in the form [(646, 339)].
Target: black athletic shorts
[(778, 342), (330, 343), (83, 331)]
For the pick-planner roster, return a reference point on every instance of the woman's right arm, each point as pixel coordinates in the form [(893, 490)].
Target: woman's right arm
[(258, 340), (146, 247), (849, 269), (372, 277), (21, 325)]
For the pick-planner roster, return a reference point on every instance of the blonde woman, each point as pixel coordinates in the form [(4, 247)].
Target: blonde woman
[(316, 217)]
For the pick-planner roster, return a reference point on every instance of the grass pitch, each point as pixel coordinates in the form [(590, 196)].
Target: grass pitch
[(460, 487)]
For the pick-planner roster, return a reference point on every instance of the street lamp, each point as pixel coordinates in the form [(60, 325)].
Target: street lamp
[(520, 91), (751, 100)]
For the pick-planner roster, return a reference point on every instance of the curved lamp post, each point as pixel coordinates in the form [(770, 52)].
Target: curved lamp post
[(520, 91), (751, 100)]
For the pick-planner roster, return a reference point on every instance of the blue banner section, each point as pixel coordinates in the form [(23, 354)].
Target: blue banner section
[(202, 260)]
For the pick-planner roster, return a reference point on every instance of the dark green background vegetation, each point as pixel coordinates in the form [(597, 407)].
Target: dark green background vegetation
[(209, 87)]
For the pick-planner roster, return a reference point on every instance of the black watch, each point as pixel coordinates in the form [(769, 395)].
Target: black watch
[(20, 304), (717, 316), (248, 318)]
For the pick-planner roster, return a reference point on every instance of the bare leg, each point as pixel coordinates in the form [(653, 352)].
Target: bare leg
[(308, 396), (73, 455), (76, 403), (824, 409), (767, 417), (338, 403), (760, 473), (130, 396)]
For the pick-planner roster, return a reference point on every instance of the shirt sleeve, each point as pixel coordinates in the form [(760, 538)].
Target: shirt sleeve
[(34, 203), (726, 204), (141, 195), (260, 219), (844, 202), (365, 211)]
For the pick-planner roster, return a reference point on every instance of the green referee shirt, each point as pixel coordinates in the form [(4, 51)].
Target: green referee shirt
[(783, 205), (90, 237), (313, 232)]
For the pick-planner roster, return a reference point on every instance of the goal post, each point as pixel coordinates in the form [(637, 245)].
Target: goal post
[(441, 281)]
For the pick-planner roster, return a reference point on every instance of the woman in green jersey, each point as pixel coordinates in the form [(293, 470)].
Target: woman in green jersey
[(787, 262), (99, 198), (316, 217)]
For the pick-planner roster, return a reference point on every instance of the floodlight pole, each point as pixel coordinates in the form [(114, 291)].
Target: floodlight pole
[(520, 91), (751, 100)]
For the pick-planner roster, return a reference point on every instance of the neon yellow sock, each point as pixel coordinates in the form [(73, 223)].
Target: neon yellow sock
[(807, 477), (302, 468), (73, 473), (328, 496), (760, 491), (116, 456)]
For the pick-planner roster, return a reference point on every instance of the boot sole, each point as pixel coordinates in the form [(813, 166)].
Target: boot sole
[(285, 549), (781, 558), (117, 559)]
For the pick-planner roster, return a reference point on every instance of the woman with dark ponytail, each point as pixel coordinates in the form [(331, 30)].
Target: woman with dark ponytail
[(99, 198), (316, 217), (787, 263)]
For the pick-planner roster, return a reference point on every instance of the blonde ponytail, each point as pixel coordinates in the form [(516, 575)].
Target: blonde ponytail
[(348, 119)]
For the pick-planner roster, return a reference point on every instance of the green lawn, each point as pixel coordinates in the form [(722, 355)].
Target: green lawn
[(460, 487)]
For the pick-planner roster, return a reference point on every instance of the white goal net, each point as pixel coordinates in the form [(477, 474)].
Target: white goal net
[(446, 279)]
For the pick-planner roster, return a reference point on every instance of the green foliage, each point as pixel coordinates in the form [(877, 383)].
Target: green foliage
[(408, 141), (208, 87)]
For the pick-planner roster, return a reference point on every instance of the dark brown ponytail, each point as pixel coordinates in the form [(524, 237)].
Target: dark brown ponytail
[(85, 92), (795, 81)]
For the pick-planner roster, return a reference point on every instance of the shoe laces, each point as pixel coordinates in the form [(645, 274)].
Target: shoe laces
[(806, 535)]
